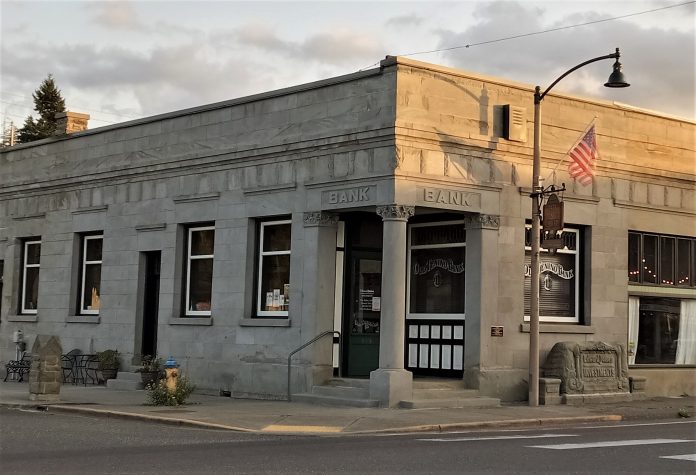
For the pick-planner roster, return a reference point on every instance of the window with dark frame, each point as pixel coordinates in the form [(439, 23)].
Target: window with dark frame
[(559, 286), (663, 260), (90, 274), (31, 264), (200, 247), (437, 261), (273, 271)]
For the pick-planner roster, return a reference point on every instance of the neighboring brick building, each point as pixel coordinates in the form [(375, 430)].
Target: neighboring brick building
[(229, 234)]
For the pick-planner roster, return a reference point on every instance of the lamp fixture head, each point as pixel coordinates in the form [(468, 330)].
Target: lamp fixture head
[(616, 79)]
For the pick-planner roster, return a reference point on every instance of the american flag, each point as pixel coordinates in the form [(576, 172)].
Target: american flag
[(583, 157)]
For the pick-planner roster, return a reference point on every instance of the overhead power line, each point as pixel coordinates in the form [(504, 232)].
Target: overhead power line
[(524, 35)]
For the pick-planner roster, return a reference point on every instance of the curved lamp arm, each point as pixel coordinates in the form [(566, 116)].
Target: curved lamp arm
[(538, 97)]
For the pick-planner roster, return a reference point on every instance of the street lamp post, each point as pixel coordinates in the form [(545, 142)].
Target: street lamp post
[(616, 79)]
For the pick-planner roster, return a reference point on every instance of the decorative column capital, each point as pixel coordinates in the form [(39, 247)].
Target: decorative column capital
[(319, 218), (396, 212), (482, 221)]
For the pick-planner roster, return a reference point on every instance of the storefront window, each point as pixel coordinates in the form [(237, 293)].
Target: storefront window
[(661, 259), (666, 330), (273, 295), (634, 257), (685, 260), (31, 264), (436, 270), (199, 270), (91, 275), (559, 280)]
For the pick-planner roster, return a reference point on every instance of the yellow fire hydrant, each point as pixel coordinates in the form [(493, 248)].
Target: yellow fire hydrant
[(171, 371)]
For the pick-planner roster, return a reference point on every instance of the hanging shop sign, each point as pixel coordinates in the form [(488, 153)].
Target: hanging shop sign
[(552, 222)]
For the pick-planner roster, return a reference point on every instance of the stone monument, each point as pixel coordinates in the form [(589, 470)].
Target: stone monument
[(589, 371), (46, 374)]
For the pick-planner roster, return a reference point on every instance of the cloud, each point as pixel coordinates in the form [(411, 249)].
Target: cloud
[(164, 79), (341, 46), (117, 15), (336, 47), (404, 21), (540, 59)]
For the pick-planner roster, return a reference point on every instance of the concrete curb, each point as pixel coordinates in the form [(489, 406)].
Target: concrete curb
[(408, 429), (493, 424), (144, 417)]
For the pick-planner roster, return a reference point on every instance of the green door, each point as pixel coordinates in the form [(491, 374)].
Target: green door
[(364, 310)]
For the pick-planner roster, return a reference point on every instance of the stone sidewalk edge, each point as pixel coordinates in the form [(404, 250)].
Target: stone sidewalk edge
[(407, 429)]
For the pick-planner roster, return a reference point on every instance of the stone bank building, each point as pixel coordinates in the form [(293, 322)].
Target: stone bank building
[(391, 205)]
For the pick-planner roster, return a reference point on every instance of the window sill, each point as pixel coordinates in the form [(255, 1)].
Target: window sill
[(22, 318), (199, 321), (265, 322), (83, 319), (559, 328)]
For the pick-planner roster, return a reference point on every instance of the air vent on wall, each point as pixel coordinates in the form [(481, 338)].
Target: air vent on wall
[(515, 123)]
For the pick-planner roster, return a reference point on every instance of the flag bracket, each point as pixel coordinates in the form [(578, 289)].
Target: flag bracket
[(551, 189)]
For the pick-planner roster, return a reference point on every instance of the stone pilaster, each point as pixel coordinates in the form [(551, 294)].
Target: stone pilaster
[(481, 305), (319, 280), (391, 383)]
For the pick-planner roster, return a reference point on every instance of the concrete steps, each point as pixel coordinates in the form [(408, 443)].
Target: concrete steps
[(427, 394), (125, 381), (434, 393), (339, 392)]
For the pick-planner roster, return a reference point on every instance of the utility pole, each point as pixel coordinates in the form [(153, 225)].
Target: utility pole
[(9, 134)]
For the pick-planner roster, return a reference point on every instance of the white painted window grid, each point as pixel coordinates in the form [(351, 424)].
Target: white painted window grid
[(262, 254), (425, 316), (192, 257), (85, 262), (25, 267)]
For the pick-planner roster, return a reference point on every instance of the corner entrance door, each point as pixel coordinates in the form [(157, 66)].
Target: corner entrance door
[(151, 302), (363, 309)]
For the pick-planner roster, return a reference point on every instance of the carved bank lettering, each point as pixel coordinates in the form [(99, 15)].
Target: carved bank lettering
[(448, 197), (351, 195)]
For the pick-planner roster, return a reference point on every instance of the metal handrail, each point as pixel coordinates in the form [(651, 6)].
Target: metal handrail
[(321, 335)]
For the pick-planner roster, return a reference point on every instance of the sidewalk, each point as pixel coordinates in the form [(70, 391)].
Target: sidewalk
[(282, 417)]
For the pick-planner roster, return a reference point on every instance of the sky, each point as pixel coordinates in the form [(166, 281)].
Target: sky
[(122, 60)]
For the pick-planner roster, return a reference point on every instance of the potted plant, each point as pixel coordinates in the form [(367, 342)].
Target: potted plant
[(150, 369), (108, 363)]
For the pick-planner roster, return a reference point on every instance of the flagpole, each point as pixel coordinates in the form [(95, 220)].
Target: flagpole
[(615, 80)]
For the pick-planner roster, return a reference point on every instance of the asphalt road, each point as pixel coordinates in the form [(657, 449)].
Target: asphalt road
[(46, 443)]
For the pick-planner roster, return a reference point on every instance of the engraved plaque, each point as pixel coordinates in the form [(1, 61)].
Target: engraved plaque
[(592, 367)]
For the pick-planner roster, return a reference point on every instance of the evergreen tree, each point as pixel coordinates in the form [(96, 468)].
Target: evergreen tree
[(47, 102)]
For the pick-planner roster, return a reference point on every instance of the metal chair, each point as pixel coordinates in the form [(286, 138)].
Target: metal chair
[(69, 364), (19, 367)]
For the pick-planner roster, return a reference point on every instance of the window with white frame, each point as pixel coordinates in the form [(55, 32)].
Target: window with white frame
[(200, 245), (661, 330), (90, 274), (31, 263), (273, 286), (559, 285), (437, 256)]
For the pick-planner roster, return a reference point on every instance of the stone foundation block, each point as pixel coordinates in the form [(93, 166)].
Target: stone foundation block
[(549, 391), (637, 383), (391, 386)]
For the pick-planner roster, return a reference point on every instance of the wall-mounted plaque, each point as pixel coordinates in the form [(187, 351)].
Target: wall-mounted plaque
[(497, 330)]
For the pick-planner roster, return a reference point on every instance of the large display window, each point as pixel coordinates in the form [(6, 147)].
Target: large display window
[(273, 286), (437, 257), (559, 279)]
